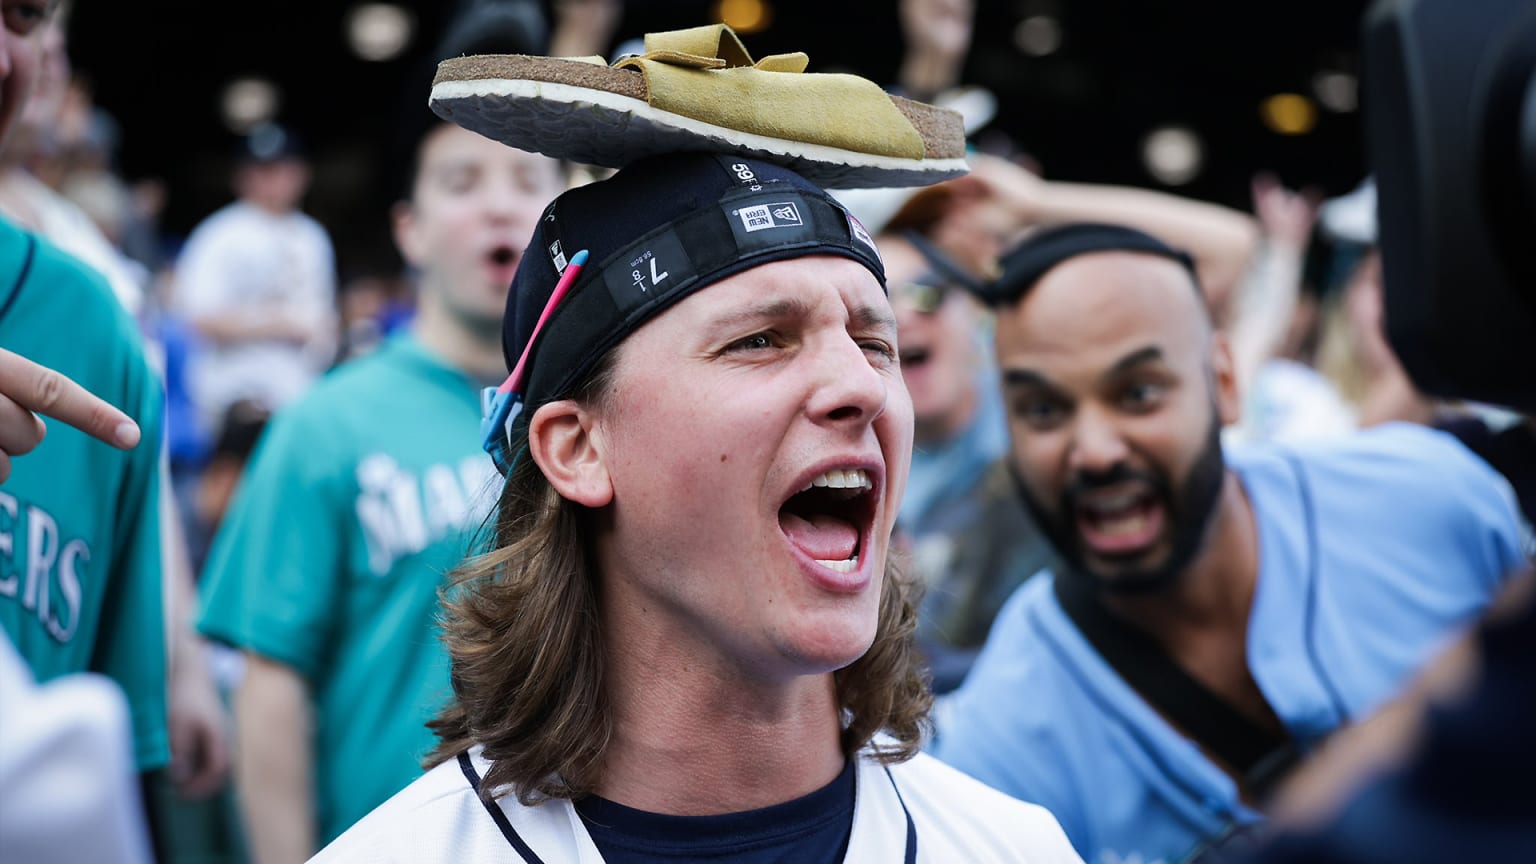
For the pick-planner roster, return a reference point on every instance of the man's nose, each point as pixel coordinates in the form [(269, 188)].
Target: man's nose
[(848, 390), (1097, 445)]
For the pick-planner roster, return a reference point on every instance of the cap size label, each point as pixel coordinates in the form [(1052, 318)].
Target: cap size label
[(658, 266)]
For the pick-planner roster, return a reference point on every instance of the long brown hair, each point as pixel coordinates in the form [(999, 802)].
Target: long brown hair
[(526, 649)]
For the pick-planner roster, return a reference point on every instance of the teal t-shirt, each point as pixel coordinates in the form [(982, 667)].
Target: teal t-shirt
[(80, 583), (358, 500)]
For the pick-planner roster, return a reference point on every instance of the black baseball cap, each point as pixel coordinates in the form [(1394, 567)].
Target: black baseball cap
[(1037, 254), (269, 142), (657, 231)]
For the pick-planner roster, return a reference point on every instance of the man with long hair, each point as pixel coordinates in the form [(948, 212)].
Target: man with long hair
[(687, 639)]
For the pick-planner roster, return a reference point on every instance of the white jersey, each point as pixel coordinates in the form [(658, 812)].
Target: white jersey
[(917, 811), (56, 735)]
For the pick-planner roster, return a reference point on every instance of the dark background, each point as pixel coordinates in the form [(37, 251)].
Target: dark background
[(1124, 67)]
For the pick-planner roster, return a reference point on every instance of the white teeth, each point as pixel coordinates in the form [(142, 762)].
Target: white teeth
[(1115, 505), (840, 566), (853, 478), (1134, 524)]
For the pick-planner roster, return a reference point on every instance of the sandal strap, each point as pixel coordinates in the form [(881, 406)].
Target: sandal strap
[(707, 74), (712, 41)]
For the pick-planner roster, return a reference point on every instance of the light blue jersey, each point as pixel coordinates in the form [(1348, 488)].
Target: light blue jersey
[(1374, 550)]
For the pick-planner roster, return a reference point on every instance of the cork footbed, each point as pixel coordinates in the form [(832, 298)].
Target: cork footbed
[(598, 115)]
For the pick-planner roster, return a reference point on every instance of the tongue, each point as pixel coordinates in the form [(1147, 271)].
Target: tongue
[(821, 536)]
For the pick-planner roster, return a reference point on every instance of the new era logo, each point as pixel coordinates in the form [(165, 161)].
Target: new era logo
[(779, 215)]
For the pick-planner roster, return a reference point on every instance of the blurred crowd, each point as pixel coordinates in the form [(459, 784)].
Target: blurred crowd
[(320, 465)]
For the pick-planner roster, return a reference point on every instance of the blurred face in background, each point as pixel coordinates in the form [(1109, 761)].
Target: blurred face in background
[(1116, 390), (277, 185), (472, 211), (938, 325), (51, 87), (21, 52)]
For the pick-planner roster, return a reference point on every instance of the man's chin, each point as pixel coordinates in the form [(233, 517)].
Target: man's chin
[(1148, 573), (929, 426), (484, 324)]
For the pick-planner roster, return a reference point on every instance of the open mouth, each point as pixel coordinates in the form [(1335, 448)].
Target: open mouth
[(502, 256), (830, 519), (1123, 524)]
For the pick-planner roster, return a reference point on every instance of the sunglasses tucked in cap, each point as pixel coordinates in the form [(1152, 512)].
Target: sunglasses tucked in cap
[(656, 232), (924, 294)]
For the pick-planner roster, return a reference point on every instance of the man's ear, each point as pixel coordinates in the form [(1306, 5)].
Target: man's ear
[(402, 223), (561, 441), (1229, 402)]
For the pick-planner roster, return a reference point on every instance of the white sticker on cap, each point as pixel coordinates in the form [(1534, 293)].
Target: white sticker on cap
[(759, 217)]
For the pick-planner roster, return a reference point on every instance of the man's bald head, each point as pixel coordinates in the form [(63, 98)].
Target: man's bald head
[(1042, 251)]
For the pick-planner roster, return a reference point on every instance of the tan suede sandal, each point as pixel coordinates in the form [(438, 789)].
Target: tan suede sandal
[(698, 89)]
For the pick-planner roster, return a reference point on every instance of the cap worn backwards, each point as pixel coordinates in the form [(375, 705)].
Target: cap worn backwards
[(270, 142), (656, 232), (1029, 261)]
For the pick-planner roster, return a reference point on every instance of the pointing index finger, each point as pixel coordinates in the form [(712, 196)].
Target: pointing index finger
[(53, 394)]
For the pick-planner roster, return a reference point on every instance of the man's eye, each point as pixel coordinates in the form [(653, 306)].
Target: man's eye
[(755, 342), (1039, 413), (22, 18), (880, 348), (458, 181), (1140, 397)]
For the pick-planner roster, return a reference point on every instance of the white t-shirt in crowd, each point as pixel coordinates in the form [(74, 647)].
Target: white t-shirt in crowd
[(243, 257)]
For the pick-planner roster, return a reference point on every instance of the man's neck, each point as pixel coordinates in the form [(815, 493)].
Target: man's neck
[(1202, 622), (689, 742), (1215, 592), (462, 347), (270, 208)]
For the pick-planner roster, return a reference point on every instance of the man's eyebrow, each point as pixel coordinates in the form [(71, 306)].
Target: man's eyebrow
[(1026, 378), (1015, 378), (871, 317), (773, 310), (452, 165), (875, 318), (1149, 354)]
